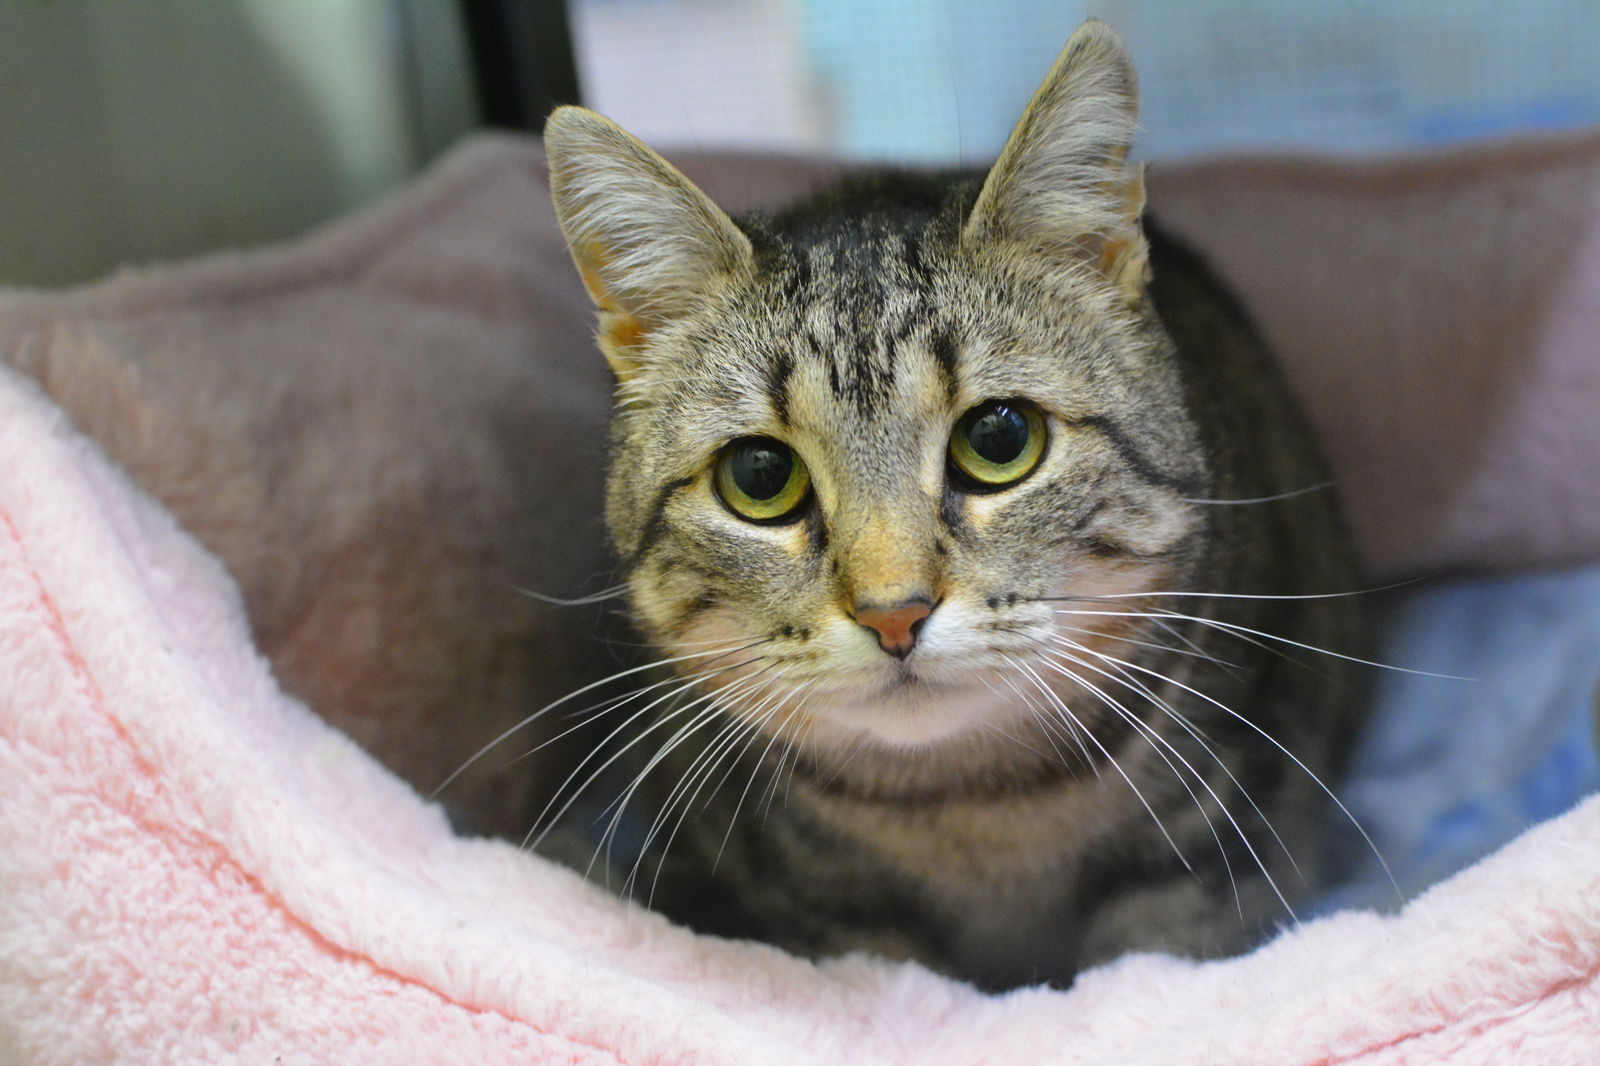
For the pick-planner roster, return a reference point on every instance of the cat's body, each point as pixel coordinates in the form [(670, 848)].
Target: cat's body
[(930, 487)]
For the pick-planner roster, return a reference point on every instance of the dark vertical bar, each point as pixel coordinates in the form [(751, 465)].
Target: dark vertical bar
[(523, 58)]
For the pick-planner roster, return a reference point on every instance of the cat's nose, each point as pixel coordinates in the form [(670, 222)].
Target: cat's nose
[(897, 625)]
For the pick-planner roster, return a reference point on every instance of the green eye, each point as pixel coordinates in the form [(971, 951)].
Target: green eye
[(762, 479), (997, 443)]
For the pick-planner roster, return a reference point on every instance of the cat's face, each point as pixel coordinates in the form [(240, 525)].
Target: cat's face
[(847, 399), (863, 449)]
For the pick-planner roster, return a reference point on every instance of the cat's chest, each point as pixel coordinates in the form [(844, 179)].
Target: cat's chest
[(966, 849), (998, 879)]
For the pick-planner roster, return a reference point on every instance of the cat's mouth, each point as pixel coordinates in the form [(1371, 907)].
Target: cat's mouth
[(906, 677), (910, 705)]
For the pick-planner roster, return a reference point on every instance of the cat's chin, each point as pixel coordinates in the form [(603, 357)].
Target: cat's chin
[(906, 711)]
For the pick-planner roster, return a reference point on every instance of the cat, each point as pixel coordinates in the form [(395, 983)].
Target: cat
[(967, 511)]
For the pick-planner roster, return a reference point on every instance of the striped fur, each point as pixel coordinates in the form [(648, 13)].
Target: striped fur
[(998, 804)]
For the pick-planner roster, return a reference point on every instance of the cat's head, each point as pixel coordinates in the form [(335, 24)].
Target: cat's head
[(859, 446)]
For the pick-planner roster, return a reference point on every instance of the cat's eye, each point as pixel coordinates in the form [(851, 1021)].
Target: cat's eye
[(997, 443), (762, 480)]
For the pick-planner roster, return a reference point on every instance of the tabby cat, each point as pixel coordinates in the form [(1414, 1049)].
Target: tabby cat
[(967, 510)]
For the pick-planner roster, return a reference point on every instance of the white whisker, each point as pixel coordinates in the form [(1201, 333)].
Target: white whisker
[(547, 708), (618, 807), (611, 593), (798, 747), (1195, 594), (1291, 494), (723, 746), (1165, 649), (990, 727), (546, 819), (1184, 723), (1157, 742), (1061, 706), (760, 761), (715, 704), (1241, 631), (1066, 730), (1293, 757)]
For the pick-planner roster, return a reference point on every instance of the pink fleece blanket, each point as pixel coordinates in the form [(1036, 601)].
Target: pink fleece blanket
[(197, 869)]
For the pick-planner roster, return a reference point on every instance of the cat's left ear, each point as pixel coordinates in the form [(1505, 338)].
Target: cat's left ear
[(646, 240), (1063, 185)]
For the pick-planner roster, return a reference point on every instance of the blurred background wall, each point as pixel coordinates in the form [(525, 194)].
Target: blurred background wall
[(943, 80), (133, 130)]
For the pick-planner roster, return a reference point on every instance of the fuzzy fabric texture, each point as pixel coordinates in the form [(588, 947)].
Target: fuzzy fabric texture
[(198, 870), (385, 430), (1439, 316)]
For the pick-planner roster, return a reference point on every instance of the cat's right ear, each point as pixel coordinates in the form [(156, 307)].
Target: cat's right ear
[(1063, 185), (646, 240)]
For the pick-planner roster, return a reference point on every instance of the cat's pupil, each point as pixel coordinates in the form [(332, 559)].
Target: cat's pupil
[(762, 469), (998, 434)]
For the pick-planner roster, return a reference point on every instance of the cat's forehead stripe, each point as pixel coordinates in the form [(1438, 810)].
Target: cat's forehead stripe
[(859, 301), (778, 375), (946, 354)]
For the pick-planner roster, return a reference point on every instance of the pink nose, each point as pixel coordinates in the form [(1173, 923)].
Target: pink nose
[(897, 627)]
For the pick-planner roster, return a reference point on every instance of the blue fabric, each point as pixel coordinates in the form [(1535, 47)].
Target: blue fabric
[(1449, 770)]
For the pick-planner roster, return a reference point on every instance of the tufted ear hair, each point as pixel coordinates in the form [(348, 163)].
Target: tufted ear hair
[(646, 240), (1063, 185)]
